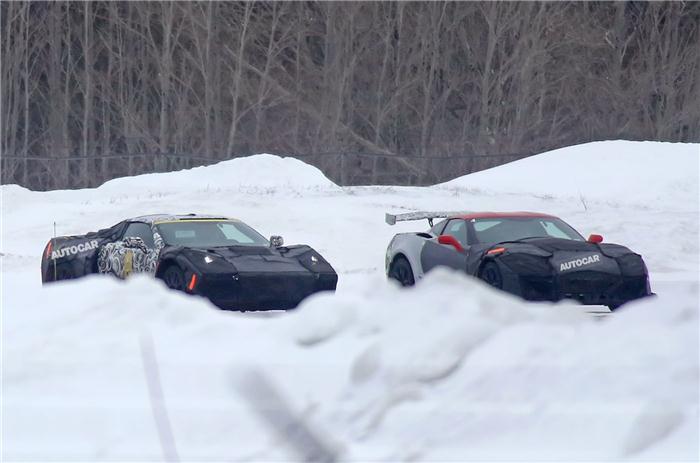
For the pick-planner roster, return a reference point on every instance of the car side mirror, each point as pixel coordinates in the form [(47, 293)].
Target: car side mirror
[(276, 241), (452, 241), (595, 239)]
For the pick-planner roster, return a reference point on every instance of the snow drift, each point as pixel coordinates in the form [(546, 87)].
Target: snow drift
[(448, 370), (631, 172)]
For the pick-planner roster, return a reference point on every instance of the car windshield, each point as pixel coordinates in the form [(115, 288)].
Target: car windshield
[(209, 233), (495, 230)]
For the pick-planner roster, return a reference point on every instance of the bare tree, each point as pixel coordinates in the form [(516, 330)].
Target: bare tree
[(407, 92)]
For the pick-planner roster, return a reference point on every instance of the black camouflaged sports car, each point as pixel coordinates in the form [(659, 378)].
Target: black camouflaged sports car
[(538, 257), (222, 259)]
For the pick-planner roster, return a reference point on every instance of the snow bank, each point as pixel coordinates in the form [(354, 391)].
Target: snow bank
[(622, 171), (449, 370), (261, 173)]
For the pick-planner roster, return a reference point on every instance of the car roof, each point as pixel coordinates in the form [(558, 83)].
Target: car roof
[(500, 215), (153, 218)]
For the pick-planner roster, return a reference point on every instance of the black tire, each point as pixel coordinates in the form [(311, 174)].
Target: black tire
[(402, 272), (174, 278), (491, 274)]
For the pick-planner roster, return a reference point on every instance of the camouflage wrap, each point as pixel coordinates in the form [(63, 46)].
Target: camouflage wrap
[(124, 257)]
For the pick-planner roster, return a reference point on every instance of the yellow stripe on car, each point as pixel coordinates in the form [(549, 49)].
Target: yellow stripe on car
[(196, 220), (128, 263)]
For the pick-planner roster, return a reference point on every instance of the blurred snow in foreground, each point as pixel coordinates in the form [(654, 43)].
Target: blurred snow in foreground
[(448, 370)]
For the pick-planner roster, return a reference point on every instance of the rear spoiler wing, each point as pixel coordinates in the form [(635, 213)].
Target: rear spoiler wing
[(391, 219)]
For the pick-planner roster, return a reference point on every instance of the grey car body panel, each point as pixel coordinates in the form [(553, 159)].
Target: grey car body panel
[(435, 254), (409, 246)]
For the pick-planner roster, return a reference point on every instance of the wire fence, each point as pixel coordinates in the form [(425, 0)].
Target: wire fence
[(48, 173)]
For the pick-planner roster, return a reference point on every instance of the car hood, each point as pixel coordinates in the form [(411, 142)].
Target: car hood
[(569, 256), (259, 259), (551, 245)]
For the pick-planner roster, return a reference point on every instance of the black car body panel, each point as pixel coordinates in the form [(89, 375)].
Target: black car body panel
[(66, 257), (256, 278), (245, 277), (551, 269)]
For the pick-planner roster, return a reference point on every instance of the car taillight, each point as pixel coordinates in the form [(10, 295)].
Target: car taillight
[(49, 246)]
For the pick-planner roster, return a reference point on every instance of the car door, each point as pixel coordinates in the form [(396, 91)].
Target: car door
[(144, 253), (435, 254), (134, 252)]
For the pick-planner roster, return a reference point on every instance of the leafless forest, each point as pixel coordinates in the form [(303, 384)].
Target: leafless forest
[(371, 92)]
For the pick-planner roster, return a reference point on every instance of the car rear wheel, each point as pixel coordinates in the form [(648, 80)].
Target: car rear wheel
[(491, 274), (402, 272), (174, 278)]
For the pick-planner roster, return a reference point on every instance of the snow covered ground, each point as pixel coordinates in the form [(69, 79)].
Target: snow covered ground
[(448, 370)]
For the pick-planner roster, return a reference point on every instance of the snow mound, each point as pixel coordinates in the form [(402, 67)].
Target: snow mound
[(260, 173), (615, 170), (448, 370)]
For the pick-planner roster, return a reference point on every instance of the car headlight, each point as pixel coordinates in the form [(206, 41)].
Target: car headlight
[(207, 262)]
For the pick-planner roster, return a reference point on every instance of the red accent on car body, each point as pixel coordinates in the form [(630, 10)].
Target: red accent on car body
[(451, 240), (501, 215), (193, 282), (595, 239), (496, 251)]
